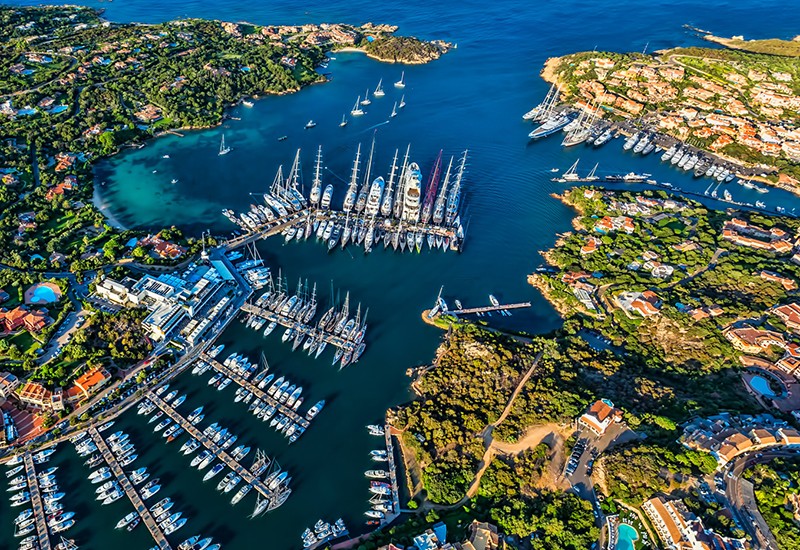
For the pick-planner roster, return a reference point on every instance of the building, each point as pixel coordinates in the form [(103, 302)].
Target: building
[(600, 416), (790, 315), (753, 340), (173, 301), (787, 283), (679, 529), (8, 384), (86, 384), (482, 536), (34, 396), (21, 318)]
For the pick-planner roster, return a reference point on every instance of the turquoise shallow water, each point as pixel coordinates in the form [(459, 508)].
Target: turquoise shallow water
[(471, 98)]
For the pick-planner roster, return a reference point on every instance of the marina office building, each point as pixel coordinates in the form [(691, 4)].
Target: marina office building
[(185, 303)]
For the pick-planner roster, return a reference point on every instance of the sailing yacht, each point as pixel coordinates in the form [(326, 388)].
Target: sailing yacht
[(402, 102), (366, 100), (352, 190), (401, 83), (379, 90), (343, 123), (223, 150), (316, 187), (327, 195), (357, 110), (386, 204), (394, 110)]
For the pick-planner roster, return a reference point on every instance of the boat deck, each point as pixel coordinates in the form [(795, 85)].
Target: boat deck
[(130, 490), (269, 315), (257, 393), (43, 537), (218, 452)]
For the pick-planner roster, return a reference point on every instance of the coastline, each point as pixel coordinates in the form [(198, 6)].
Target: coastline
[(354, 49), (102, 207)]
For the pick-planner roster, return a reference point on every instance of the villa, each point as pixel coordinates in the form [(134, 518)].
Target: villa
[(22, 318), (789, 314), (600, 416), (753, 340)]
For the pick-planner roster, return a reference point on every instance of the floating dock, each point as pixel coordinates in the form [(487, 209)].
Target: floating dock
[(274, 228), (43, 536), (275, 497), (257, 393), (269, 315), (130, 490), (486, 309)]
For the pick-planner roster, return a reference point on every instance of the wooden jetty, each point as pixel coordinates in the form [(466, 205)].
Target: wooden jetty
[(130, 490), (257, 393), (276, 496), (269, 315), (43, 537), (500, 307)]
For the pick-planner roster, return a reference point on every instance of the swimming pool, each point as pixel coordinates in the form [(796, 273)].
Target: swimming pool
[(626, 536), (42, 294), (761, 385)]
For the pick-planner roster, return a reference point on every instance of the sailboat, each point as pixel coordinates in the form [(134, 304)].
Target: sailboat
[(357, 110), (401, 83), (343, 123), (402, 102), (394, 110), (223, 150), (379, 90), (366, 100)]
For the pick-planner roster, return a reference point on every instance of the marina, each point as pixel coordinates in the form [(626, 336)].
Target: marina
[(399, 212), (133, 495), (272, 495), (258, 393), (43, 537)]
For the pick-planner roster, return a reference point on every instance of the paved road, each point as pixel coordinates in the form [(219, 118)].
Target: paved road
[(741, 498)]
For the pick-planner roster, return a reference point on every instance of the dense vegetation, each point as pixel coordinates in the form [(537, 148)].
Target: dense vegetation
[(402, 49), (118, 336), (776, 489)]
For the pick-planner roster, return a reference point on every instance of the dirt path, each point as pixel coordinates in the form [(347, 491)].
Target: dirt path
[(532, 438)]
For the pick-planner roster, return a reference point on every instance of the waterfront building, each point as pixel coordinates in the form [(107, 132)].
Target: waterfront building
[(680, 529), (600, 416), (86, 384)]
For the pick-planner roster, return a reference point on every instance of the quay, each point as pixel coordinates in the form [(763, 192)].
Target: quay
[(270, 229), (270, 315), (392, 477), (485, 309), (43, 537), (275, 497), (130, 491), (257, 393)]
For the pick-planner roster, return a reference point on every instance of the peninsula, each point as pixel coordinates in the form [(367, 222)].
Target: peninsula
[(737, 106)]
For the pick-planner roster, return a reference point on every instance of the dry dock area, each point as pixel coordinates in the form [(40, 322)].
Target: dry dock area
[(43, 537), (130, 491)]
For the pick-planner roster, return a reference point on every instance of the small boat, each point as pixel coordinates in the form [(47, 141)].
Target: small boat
[(366, 100), (343, 123), (214, 471), (283, 138), (223, 150), (379, 90), (402, 82), (310, 124)]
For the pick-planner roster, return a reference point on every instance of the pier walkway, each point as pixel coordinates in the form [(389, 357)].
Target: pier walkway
[(130, 490), (43, 537), (392, 477), (273, 228), (246, 475), (269, 315), (257, 393), (486, 309)]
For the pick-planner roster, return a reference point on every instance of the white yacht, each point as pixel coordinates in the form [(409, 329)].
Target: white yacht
[(411, 198)]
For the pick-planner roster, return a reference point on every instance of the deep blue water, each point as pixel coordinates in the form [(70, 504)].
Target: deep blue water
[(471, 98)]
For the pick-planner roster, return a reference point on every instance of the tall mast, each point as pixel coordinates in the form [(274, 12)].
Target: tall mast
[(386, 205), (369, 163), (354, 174), (401, 183), (275, 188)]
